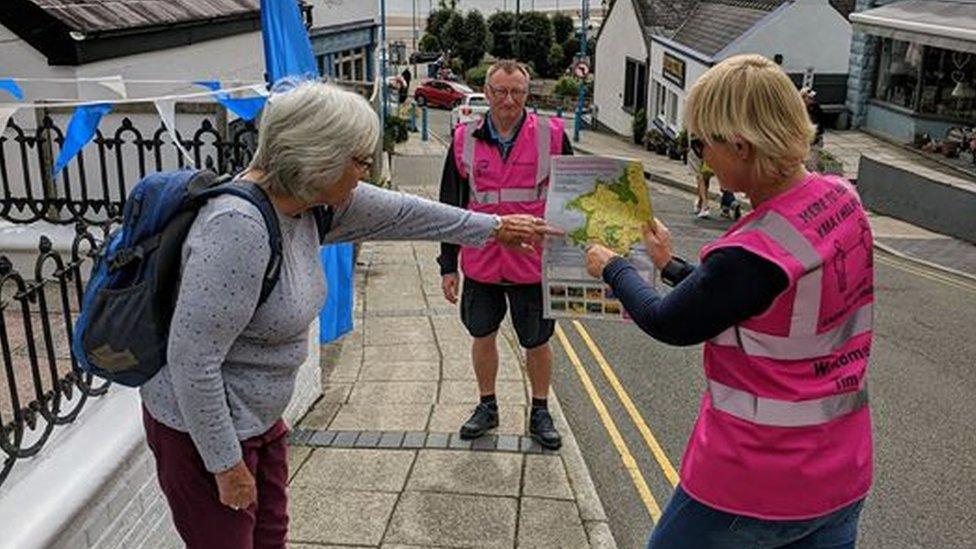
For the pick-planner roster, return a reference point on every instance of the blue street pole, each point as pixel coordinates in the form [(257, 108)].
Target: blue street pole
[(383, 62), (578, 123)]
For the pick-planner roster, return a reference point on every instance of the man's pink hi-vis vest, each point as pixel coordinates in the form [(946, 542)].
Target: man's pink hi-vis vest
[(517, 185), (784, 430)]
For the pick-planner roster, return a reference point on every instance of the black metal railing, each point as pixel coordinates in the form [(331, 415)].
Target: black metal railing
[(39, 386), (95, 193)]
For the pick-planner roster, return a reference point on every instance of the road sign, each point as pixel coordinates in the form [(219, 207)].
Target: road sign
[(581, 69)]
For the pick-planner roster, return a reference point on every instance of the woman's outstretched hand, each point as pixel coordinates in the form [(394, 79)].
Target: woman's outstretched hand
[(657, 240), (523, 232)]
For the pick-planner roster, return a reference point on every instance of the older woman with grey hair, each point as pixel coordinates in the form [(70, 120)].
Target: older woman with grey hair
[(213, 413)]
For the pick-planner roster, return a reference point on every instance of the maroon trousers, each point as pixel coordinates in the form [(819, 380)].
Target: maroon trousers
[(191, 490)]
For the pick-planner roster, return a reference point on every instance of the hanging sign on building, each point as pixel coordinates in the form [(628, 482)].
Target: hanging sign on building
[(674, 70)]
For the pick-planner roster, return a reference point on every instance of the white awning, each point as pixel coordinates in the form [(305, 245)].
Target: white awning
[(949, 24)]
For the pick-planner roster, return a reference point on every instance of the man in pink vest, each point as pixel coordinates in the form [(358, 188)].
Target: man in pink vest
[(781, 453), (500, 165)]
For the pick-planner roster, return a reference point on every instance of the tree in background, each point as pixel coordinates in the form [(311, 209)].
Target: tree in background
[(429, 43), (562, 27), (452, 33), (501, 24), (556, 57), (475, 39), (536, 41), (436, 21)]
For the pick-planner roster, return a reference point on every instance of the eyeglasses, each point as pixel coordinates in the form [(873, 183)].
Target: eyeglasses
[(514, 93), (364, 164), (697, 144)]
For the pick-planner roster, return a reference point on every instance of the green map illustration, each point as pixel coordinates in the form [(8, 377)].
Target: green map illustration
[(615, 211)]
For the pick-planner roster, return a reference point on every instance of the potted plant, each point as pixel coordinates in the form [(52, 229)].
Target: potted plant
[(653, 139), (639, 125)]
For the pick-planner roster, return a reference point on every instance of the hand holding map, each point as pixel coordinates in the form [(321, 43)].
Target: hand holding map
[(597, 200)]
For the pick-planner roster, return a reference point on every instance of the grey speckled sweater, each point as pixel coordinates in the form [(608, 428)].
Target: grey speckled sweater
[(231, 368)]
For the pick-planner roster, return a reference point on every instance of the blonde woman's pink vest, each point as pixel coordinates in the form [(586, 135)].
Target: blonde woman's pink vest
[(516, 185), (784, 430)]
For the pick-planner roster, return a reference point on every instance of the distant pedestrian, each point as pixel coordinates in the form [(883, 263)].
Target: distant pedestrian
[(407, 76), (212, 414), (815, 112), (781, 453)]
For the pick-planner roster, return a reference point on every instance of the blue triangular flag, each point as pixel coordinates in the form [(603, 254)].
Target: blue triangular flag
[(287, 49), (8, 85), (81, 129), (245, 107)]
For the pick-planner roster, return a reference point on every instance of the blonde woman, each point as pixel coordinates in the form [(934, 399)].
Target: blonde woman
[(781, 452), (212, 414)]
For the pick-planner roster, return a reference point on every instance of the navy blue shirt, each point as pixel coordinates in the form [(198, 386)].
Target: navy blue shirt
[(730, 286)]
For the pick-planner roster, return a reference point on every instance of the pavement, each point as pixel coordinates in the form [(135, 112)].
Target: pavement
[(895, 237), (377, 461)]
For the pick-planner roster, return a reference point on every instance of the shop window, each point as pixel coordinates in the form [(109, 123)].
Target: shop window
[(898, 71), (635, 85), (927, 80)]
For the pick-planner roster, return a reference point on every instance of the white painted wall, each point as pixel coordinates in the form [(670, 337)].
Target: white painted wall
[(693, 71), (621, 37), (809, 33)]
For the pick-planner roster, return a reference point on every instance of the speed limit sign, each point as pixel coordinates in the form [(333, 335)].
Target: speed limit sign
[(581, 69)]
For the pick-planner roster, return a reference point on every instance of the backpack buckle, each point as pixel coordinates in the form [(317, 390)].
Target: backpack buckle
[(124, 257)]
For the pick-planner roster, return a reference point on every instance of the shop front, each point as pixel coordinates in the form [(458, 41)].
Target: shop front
[(924, 80)]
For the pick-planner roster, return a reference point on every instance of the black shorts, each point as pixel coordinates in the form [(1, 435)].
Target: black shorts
[(483, 309)]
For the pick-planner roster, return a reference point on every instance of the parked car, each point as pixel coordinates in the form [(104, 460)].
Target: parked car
[(472, 107), (440, 93), (424, 56)]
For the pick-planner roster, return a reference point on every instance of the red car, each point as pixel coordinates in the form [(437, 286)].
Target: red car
[(440, 93)]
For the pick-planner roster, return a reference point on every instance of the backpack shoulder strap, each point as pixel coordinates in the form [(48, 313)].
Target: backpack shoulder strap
[(323, 220), (256, 195)]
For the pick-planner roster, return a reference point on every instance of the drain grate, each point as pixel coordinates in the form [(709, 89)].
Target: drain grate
[(412, 440)]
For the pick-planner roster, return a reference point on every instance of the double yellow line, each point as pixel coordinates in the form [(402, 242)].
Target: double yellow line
[(925, 273), (630, 464)]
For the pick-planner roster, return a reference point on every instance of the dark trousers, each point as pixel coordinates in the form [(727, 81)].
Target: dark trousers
[(688, 524), (191, 490)]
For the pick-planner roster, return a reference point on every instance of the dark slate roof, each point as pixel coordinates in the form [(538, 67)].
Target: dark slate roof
[(844, 7), (714, 24), (663, 17), (74, 32), (106, 15)]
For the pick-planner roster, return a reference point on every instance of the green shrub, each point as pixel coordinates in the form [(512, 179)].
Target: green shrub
[(567, 86), (429, 43), (475, 77), (395, 131), (639, 126)]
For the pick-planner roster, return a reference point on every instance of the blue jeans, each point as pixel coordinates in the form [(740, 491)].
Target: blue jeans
[(687, 523)]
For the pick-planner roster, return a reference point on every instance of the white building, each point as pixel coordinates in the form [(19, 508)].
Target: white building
[(707, 32)]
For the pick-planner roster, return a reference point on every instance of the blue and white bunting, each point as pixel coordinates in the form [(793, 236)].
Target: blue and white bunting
[(81, 129)]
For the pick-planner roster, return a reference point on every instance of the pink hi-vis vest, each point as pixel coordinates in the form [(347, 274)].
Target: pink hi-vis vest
[(517, 185), (784, 431)]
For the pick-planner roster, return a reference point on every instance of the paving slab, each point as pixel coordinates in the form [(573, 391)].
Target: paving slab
[(394, 392), (382, 417), (398, 330), (426, 351), (461, 368), (339, 517), (296, 457), (396, 370), (320, 416), (453, 520), (466, 472), (331, 469), (348, 364), (546, 523), (333, 391), (545, 476)]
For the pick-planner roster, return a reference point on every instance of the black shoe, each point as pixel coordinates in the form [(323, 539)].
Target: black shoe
[(485, 417), (543, 431)]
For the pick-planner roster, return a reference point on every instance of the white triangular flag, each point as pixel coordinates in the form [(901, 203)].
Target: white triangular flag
[(5, 113), (167, 112), (116, 84), (260, 89)]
